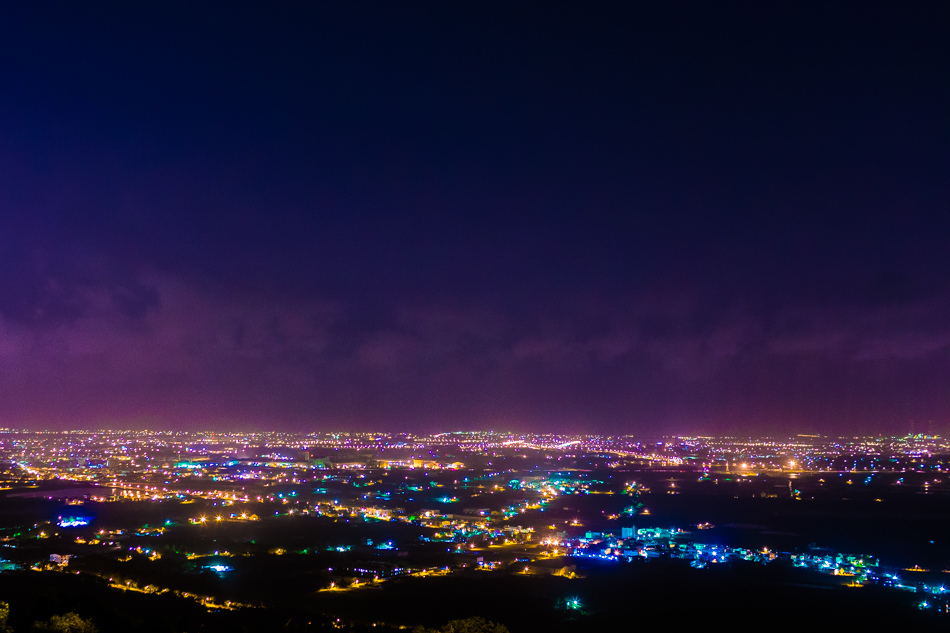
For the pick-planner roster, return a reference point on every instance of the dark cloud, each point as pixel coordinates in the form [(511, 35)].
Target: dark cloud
[(190, 351)]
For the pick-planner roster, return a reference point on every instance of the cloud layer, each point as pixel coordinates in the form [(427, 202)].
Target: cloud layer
[(151, 346)]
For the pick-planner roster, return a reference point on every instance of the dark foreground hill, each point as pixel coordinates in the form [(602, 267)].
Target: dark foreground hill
[(605, 600)]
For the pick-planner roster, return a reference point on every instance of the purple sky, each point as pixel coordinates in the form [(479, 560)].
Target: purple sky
[(427, 216)]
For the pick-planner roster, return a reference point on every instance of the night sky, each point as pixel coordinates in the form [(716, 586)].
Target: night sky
[(637, 217)]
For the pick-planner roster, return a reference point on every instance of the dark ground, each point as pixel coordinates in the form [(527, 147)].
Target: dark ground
[(616, 598)]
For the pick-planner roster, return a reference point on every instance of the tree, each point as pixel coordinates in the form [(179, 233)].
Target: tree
[(66, 623), (474, 625), (467, 625), (4, 618)]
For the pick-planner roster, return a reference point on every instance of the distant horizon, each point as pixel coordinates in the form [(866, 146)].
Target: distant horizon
[(330, 431)]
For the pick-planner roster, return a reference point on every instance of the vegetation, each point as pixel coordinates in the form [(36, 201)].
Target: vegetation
[(66, 623), (4, 618), (466, 625)]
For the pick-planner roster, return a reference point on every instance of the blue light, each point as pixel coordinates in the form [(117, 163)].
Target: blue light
[(220, 569)]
